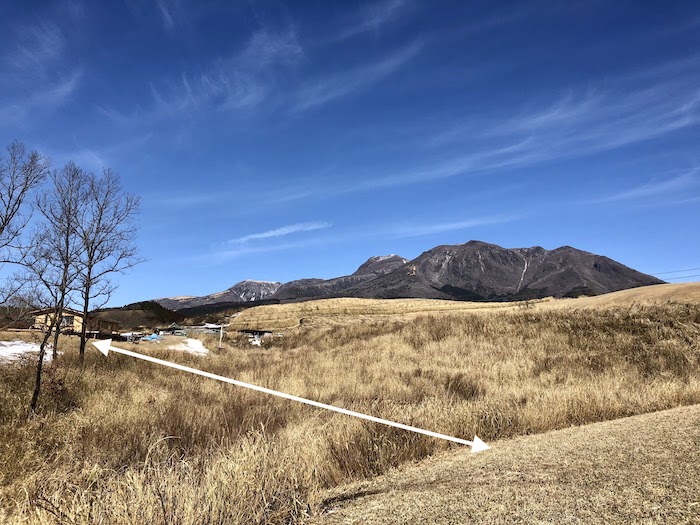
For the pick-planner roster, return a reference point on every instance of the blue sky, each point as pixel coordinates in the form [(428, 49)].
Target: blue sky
[(277, 141)]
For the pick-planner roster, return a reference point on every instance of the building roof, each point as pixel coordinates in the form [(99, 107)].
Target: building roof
[(45, 311)]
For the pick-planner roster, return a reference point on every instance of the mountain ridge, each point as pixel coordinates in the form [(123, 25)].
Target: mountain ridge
[(475, 270)]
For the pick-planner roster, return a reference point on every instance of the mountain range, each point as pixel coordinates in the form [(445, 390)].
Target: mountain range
[(474, 271)]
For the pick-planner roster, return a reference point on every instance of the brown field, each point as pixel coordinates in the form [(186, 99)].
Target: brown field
[(348, 310), (641, 469), (125, 441), (280, 317)]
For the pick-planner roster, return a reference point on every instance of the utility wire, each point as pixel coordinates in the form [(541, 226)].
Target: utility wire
[(682, 277), (676, 271)]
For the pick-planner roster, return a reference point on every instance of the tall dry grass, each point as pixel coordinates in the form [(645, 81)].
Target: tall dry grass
[(129, 442)]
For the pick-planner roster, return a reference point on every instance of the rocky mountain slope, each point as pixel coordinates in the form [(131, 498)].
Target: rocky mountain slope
[(242, 292), (317, 288), (475, 271), (481, 271)]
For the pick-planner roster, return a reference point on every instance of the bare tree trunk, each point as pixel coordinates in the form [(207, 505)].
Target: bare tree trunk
[(86, 307), (58, 313), (39, 368)]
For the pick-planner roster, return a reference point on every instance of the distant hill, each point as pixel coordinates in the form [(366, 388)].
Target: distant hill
[(242, 292), (144, 313), (474, 271)]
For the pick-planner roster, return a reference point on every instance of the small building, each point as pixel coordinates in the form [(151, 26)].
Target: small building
[(255, 337), (71, 322), (172, 329)]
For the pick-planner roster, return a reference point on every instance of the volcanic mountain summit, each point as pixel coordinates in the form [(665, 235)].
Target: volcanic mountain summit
[(474, 271), (481, 271)]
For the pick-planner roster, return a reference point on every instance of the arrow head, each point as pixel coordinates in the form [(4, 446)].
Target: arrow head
[(103, 346), (478, 446)]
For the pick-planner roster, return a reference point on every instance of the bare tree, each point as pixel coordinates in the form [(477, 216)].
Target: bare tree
[(21, 171), (41, 277), (107, 231), (61, 207), (51, 259)]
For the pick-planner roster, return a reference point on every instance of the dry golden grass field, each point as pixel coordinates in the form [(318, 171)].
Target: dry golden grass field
[(641, 469), (348, 310), (124, 441)]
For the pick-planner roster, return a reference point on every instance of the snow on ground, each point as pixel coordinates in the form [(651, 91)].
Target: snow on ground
[(194, 346), (15, 350)]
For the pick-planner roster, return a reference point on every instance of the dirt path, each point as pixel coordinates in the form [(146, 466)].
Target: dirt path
[(642, 469)]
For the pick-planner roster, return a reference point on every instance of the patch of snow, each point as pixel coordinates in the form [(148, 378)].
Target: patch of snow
[(522, 276), (194, 346), (15, 350), (383, 257)]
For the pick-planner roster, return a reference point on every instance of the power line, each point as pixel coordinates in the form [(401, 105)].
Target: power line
[(677, 271), (683, 277)]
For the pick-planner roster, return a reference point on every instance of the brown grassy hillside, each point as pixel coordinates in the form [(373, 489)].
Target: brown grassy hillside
[(127, 442), (280, 317), (641, 469)]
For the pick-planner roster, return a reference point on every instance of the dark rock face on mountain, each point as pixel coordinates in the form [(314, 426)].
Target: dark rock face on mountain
[(475, 271), (481, 271), (318, 288), (243, 292)]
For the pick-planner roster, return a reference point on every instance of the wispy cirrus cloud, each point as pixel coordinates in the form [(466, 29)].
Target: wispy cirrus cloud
[(39, 47), (593, 121), (166, 14), (573, 125), (658, 187), (239, 248), (37, 78), (262, 74), (323, 90), (282, 231), (240, 82), (372, 18), (419, 230), (24, 108), (96, 157)]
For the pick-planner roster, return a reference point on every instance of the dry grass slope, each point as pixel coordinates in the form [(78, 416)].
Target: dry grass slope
[(283, 317), (641, 469), (127, 442)]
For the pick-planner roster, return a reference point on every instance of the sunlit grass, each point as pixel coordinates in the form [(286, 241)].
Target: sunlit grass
[(129, 442)]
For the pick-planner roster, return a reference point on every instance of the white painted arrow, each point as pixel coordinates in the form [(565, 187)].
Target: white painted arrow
[(105, 346)]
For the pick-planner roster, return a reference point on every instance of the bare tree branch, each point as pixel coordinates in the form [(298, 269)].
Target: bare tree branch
[(107, 230), (20, 173)]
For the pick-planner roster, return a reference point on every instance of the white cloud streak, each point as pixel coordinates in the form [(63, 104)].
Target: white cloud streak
[(595, 121), (331, 87), (656, 188), (40, 46), (240, 249), (37, 80), (573, 125), (282, 231), (259, 76), (166, 15), (27, 107), (241, 82), (372, 18), (418, 230)]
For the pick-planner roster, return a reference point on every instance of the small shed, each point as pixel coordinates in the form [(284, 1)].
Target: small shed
[(172, 329), (71, 322)]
